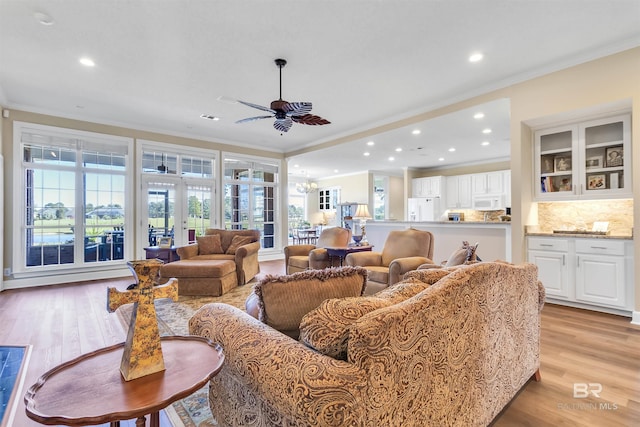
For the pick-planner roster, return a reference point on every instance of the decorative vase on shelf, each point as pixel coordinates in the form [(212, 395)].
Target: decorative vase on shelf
[(357, 239)]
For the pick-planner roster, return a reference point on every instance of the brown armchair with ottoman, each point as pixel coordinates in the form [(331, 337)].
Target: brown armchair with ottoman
[(302, 257), (217, 263), (403, 251)]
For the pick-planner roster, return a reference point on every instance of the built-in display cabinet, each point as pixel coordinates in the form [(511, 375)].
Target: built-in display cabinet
[(585, 271), (585, 160)]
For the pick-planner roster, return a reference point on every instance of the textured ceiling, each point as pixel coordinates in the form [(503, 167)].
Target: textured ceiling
[(363, 64)]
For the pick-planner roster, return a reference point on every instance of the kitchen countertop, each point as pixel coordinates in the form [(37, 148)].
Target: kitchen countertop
[(581, 236), (442, 222)]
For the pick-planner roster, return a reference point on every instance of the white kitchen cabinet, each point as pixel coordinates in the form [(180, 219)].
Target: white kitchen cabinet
[(590, 273), (600, 273), (427, 187), (585, 160), (506, 179), (552, 257), (487, 183), (458, 194)]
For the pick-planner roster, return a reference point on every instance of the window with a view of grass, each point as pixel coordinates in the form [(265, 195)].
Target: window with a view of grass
[(250, 197), (74, 209)]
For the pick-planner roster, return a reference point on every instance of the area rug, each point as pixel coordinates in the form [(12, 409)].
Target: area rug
[(173, 319)]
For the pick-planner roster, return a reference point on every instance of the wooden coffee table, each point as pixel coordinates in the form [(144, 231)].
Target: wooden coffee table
[(90, 390), (342, 251)]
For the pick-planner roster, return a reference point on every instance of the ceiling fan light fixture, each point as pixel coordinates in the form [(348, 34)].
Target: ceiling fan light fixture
[(285, 113)]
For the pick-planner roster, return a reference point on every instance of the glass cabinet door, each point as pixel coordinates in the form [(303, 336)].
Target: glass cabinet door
[(556, 161), (585, 160), (604, 147)]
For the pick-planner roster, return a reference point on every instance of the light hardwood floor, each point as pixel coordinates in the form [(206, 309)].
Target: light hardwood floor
[(578, 346)]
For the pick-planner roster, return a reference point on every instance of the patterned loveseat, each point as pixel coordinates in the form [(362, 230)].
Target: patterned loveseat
[(443, 347)]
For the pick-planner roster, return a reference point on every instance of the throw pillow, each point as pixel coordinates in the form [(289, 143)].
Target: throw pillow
[(460, 256), (284, 300), (237, 242), (209, 245), (327, 328)]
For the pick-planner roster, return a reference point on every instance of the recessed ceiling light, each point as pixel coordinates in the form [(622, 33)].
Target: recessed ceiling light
[(366, 153), (487, 130), (485, 143), (370, 143), (478, 116), (416, 131), (43, 18), (391, 159), (335, 171), (296, 166), (209, 117), (87, 62), (451, 150), (476, 57), (441, 159), (398, 149)]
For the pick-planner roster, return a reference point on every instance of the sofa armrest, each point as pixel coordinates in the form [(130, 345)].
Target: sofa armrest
[(298, 250), (246, 250), (297, 380), (399, 266), (364, 259), (188, 251)]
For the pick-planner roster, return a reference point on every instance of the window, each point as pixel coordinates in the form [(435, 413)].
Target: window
[(177, 192), (328, 198), (380, 190), (250, 196), (73, 209)]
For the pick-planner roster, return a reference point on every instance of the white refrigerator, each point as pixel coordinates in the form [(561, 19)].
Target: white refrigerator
[(423, 209)]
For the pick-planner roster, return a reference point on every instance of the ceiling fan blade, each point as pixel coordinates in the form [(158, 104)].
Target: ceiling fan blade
[(283, 125), (297, 108), (259, 107), (250, 119), (310, 119)]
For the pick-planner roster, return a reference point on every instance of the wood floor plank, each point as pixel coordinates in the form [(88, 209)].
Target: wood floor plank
[(62, 322)]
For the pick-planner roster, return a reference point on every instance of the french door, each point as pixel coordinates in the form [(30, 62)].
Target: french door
[(177, 208)]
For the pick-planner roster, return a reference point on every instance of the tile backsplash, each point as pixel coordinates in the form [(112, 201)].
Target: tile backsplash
[(582, 214)]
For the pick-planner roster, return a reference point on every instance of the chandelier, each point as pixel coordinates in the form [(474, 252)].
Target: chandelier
[(306, 187)]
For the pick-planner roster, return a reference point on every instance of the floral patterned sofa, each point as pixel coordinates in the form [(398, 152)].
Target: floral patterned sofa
[(443, 347)]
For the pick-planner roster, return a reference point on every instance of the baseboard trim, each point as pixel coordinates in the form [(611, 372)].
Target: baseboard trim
[(635, 318), (60, 277), (601, 309)]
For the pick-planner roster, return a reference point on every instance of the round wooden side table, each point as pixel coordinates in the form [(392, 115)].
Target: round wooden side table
[(90, 390)]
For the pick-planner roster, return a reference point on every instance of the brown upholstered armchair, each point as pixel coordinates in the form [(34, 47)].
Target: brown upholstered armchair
[(315, 257), (403, 251), (243, 251)]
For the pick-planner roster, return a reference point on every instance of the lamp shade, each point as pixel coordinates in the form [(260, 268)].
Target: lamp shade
[(362, 212)]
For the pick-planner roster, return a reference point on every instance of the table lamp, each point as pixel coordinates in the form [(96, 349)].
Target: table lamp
[(362, 215)]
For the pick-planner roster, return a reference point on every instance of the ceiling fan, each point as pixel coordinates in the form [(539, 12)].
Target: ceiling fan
[(285, 112)]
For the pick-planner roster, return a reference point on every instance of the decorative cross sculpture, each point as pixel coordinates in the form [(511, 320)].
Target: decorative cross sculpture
[(142, 350)]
